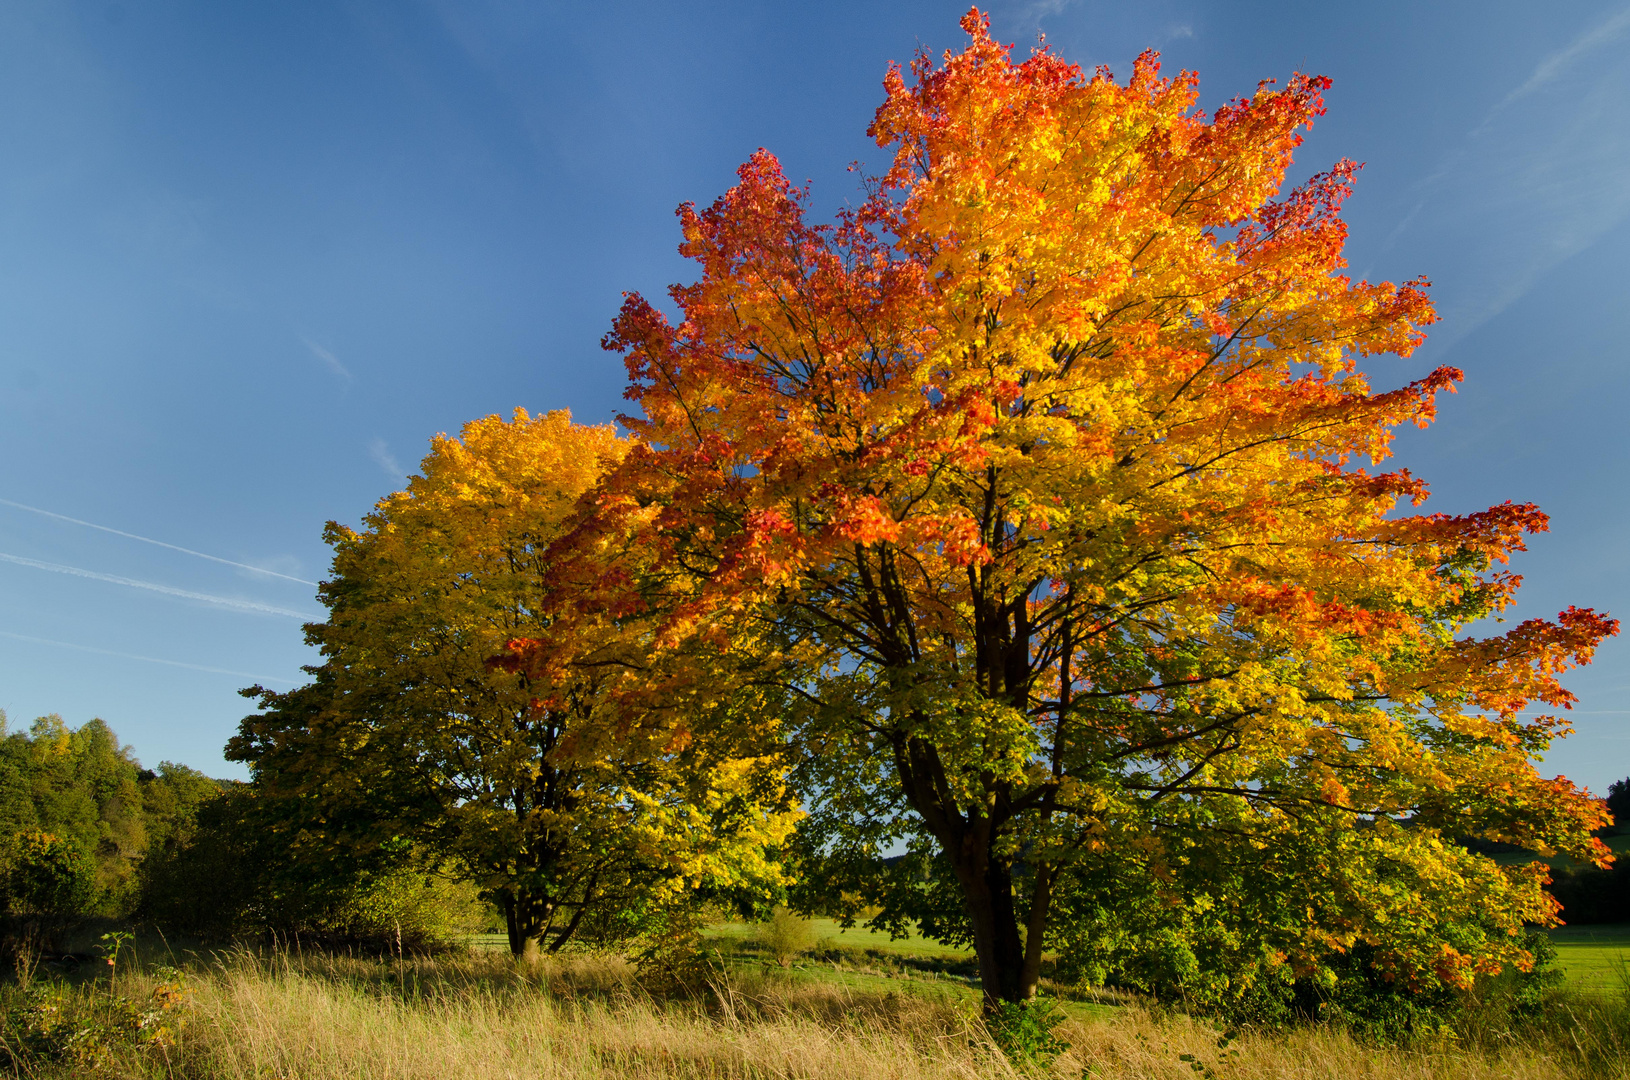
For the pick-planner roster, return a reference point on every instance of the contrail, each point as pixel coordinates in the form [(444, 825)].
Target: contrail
[(145, 659), (223, 601), (1559, 62), (150, 540)]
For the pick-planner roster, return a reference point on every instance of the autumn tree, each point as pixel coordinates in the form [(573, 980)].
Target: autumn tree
[(1043, 479), (565, 816)]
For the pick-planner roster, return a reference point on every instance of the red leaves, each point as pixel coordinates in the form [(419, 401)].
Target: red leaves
[(863, 519), (1504, 674), (1582, 630), (1494, 533)]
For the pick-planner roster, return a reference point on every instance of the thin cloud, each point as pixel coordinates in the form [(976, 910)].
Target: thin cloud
[(380, 451), (251, 606), (147, 659), (1555, 65), (1539, 180), (1036, 10), (155, 543), (329, 360)]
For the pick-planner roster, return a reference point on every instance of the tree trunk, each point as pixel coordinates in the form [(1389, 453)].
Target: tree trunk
[(987, 895), (522, 918), (1035, 931), (1008, 971)]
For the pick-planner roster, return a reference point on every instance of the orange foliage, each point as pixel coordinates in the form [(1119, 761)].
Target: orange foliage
[(1044, 469)]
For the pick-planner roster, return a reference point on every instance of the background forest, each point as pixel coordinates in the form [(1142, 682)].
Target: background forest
[(87, 833)]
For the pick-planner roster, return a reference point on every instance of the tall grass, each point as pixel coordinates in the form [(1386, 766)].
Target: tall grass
[(316, 1017)]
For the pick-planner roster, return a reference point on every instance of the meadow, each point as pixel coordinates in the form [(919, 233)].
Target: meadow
[(1594, 958), (851, 1005)]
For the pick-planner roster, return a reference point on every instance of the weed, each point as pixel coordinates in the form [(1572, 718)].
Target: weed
[(59, 1023), (1024, 1032)]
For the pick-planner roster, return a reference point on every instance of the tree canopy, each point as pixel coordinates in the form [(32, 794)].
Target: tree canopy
[(565, 815), (78, 799), (1043, 484)]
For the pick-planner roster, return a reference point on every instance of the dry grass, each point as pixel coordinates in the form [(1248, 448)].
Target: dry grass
[(577, 1018), (1133, 1044), (316, 1018)]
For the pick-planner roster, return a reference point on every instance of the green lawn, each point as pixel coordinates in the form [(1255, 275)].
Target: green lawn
[(1593, 957), (830, 935), (1619, 843), (728, 936)]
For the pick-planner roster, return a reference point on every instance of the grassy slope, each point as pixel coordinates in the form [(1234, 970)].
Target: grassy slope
[(829, 934), (1620, 844), (1593, 957)]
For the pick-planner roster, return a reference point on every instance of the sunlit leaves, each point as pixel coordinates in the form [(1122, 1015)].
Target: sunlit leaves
[(570, 808), (1045, 480)]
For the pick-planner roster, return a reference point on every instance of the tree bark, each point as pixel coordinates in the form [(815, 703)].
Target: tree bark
[(1035, 930), (987, 894), (522, 918), (986, 882)]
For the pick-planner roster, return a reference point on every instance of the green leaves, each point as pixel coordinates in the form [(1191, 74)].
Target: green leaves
[(571, 792)]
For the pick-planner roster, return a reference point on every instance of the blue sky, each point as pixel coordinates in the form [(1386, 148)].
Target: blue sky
[(253, 256)]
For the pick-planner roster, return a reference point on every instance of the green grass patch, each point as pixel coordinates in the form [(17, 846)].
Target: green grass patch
[(1594, 958), (868, 961), (830, 934), (1619, 842), (487, 941)]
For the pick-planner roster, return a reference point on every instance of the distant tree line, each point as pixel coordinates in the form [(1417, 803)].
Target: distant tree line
[(79, 816), (86, 831), (1590, 895)]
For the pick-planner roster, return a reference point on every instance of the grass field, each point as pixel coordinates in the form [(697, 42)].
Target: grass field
[(244, 1015), (1620, 843), (828, 933), (1594, 958), (1591, 957)]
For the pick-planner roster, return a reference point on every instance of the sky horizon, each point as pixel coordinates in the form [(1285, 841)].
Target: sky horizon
[(254, 258)]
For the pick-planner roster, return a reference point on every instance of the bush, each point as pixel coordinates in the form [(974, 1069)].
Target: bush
[(47, 875), (785, 935), (1024, 1033), (80, 1027), (410, 907), (238, 875)]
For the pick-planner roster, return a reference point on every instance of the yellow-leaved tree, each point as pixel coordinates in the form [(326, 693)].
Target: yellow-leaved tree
[(571, 816)]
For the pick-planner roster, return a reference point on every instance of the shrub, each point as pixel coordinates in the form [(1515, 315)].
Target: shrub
[(47, 875), (239, 874), (409, 907), (785, 935), (52, 1023), (1024, 1032)]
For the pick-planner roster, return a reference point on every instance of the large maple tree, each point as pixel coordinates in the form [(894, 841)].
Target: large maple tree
[(1044, 478)]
